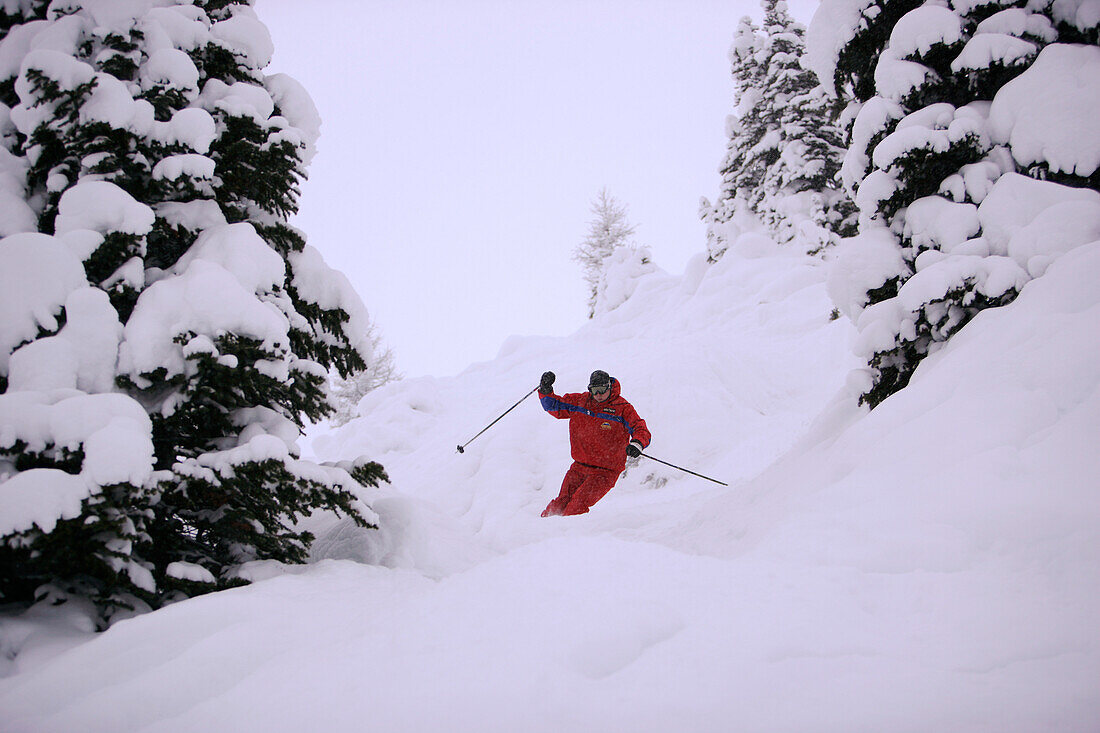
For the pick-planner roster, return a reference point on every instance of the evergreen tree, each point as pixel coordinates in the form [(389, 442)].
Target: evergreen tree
[(785, 148), (741, 170), (608, 231), (151, 162), (925, 154), (809, 147)]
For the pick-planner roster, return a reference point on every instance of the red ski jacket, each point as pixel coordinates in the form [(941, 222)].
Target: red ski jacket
[(599, 431)]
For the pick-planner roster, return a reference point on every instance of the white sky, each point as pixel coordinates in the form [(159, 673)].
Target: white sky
[(463, 143)]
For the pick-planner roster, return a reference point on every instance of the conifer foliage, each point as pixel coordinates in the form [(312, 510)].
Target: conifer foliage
[(784, 149), (950, 138), (164, 334)]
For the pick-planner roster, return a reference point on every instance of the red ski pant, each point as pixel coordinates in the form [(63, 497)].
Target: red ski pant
[(582, 487)]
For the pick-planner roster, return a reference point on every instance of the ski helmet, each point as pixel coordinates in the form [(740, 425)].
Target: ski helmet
[(600, 381)]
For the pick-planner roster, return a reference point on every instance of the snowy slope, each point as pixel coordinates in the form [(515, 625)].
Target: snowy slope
[(928, 566), (727, 365)]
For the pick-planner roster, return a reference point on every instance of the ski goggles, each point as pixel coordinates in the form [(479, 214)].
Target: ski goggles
[(596, 389)]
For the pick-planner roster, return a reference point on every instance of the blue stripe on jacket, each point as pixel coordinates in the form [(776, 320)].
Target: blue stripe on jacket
[(550, 403)]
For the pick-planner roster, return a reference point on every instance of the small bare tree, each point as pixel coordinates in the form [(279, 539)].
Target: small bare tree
[(607, 230), (346, 393)]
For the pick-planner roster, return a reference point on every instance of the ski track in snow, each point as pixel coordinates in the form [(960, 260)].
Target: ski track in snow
[(930, 566)]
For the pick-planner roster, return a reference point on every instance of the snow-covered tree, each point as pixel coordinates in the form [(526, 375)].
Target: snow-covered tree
[(784, 148), (973, 121), (164, 334), (742, 170), (608, 231), (346, 392)]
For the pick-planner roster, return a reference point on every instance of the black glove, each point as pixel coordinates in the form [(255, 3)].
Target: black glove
[(633, 449), (546, 386)]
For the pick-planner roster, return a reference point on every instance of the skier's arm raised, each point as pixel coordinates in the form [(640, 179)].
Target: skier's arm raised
[(561, 407)]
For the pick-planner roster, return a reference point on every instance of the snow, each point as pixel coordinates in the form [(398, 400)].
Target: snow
[(169, 33), (927, 566), (880, 324), (1025, 225), (39, 497), (1054, 232), (864, 262), (68, 419), (878, 186), (1015, 201), (936, 223), (1018, 22), (60, 67), (110, 102), (15, 46), (190, 127), (970, 7), (18, 216), (64, 35), (264, 421), (112, 430), (895, 79), (247, 37), (622, 271), (1048, 114), (194, 215), (45, 364), (93, 330), (833, 25), (297, 107), (114, 15), (260, 448), (81, 356), (930, 565), (873, 118), (172, 27), (170, 68), (103, 207), (242, 252), (212, 290), (919, 30), (204, 299), (1082, 14), (189, 571), (191, 165), (119, 452), (38, 275), (934, 128), (238, 99), (318, 283), (976, 180), (986, 49)]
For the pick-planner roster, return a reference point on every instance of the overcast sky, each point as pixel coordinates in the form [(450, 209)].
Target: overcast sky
[(463, 143)]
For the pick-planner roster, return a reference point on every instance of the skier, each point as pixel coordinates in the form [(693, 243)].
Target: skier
[(603, 430)]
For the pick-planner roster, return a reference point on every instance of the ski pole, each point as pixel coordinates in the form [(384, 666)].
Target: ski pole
[(678, 468), (462, 448)]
